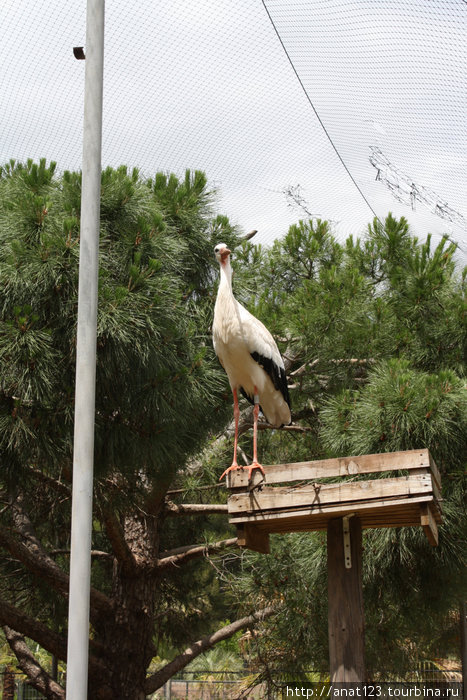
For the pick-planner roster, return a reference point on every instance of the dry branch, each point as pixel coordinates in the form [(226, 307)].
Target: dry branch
[(250, 235), (194, 508), (303, 368), (162, 676), (181, 555)]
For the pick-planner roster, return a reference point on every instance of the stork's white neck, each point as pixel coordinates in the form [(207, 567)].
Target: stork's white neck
[(226, 274)]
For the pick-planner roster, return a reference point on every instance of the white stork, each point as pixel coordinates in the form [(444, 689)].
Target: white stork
[(248, 353)]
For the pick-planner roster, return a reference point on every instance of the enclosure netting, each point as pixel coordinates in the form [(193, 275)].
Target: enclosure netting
[(338, 109)]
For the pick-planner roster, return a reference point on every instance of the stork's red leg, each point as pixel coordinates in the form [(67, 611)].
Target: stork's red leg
[(255, 429), (255, 464), (236, 411)]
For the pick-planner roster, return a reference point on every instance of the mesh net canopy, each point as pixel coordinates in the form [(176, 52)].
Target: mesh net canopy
[(337, 109)]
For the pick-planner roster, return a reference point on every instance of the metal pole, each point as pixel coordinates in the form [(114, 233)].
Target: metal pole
[(83, 452)]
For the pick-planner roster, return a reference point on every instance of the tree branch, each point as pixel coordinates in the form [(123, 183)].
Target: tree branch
[(303, 368), (116, 537), (339, 361), (181, 555), (246, 423), (286, 428), (99, 603), (53, 642), (194, 508), (56, 485), (262, 425), (98, 554), (162, 676), (36, 560), (154, 501), (28, 663), (210, 487), (250, 235)]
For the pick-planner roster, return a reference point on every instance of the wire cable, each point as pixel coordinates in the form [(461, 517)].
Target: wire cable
[(316, 112)]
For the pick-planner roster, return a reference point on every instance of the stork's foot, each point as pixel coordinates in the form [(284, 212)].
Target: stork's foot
[(250, 467), (254, 465), (232, 468)]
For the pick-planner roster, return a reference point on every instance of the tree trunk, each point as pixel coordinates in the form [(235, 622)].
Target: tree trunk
[(128, 635)]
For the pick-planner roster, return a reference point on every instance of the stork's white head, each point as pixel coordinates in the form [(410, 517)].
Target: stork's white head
[(221, 252)]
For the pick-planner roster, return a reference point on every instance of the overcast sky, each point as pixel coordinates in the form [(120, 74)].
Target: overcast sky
[(208, 85)]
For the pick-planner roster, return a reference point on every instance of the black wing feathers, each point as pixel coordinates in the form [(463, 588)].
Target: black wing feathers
[(274, 372)]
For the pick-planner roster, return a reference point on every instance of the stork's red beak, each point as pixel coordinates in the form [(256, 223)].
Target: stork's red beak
[(225, 254)]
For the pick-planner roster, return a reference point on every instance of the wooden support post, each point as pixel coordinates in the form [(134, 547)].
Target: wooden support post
[(252, 538), (345, 604), (429, 524)]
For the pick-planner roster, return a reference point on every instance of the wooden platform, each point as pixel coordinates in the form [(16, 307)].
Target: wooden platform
[(313, 493)]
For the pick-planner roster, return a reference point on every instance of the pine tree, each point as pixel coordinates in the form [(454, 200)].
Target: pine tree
[(374, 337), (159, 394)]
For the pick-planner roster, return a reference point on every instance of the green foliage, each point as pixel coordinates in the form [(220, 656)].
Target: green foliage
[(159, 386), (153, 364), (375, 330), (400, 408), (377, 327)]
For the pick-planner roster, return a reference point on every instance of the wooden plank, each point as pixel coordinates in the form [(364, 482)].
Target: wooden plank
[(436, 490), (322, 525), (435, 471), (319, 524), (253, 538), (388, 518), (337, 509), (429, 524), (341, 466), (392, 506), (323, 494), (437, 494), (346, 628), (400, 513)]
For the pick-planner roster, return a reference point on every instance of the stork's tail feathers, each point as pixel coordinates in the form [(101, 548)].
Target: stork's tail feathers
[(275, 403), (278, 423), (275, 373)]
